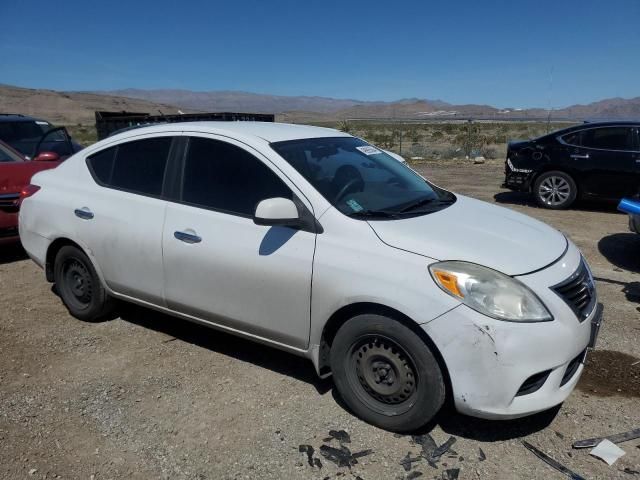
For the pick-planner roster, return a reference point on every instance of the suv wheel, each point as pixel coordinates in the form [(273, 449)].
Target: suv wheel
[(555, 190), (386, 374), (79, 286)]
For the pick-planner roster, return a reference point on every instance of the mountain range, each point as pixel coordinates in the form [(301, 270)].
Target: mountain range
[(78, 107), (324, 108)]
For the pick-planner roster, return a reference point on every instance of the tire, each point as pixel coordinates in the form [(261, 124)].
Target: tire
[(80, 287), (555, 190), (386, 374)]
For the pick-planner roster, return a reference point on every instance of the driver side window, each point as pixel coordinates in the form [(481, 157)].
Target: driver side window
[(223, 177)]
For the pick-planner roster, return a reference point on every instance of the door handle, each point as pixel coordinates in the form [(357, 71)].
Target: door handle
[(84, 213), (577, 155), (187, 237)]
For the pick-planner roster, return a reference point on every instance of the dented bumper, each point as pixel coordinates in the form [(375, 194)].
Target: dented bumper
[(503, 370)]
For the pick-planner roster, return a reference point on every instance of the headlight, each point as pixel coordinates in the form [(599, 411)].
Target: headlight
[(489, 292)]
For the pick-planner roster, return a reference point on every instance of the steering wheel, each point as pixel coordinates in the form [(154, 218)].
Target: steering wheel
[(346, 188)]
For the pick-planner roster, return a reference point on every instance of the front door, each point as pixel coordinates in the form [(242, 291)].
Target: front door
[(222, 267)]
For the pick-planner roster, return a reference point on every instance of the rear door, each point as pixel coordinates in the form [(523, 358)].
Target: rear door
[(611, 153), (222, 267), (120, 219)]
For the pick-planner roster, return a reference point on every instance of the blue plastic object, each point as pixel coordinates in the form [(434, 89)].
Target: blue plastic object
[(630, 206)]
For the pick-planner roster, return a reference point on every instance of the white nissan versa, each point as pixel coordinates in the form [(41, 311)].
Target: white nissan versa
[(313, 241)]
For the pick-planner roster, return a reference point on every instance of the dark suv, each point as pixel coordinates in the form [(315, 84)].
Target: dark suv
[(31, 136), (592, 160)]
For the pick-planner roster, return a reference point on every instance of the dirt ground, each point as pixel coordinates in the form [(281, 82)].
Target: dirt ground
[(148, 396)]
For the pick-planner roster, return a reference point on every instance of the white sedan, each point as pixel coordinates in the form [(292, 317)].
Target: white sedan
[(313, 241)]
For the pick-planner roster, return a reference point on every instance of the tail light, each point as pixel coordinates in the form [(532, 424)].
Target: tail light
[(28, 191)]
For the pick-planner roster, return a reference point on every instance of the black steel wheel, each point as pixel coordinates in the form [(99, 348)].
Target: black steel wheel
[(79, 286), (386, 373)]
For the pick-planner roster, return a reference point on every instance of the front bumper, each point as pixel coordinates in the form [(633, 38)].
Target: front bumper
[(490, 361)]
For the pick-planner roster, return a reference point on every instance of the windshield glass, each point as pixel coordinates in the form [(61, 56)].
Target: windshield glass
[(7, 155), (361, 180)]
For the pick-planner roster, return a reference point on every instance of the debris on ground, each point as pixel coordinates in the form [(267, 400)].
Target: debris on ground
[(342, 456), (407, 461), (340, 435), (617, 438), (607, 451), (427, 443), (442, 449), (451, 474), (551, 462), (630, 471), (481, 456), (412, 475), (308, 449)]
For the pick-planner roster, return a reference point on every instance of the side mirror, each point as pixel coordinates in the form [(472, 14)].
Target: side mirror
[(47, 157), (277, 211)]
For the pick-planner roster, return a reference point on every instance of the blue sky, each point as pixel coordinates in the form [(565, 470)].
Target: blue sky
[(485, 51)]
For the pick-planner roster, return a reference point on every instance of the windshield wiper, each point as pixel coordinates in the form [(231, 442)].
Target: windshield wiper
[(425, 201), (371, 214)]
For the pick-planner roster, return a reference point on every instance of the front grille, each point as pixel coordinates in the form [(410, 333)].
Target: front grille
[(578, 292), (572, 367), (9, 200)]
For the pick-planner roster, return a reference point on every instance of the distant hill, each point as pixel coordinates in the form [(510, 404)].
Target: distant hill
[(236, 101), (71, 108), (302, 108), (79, 107)]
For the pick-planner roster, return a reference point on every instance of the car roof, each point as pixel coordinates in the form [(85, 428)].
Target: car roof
[(267, 131), (17, 117)]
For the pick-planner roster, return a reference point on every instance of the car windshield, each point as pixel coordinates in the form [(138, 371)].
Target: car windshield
[(7, 155), (361, 180)]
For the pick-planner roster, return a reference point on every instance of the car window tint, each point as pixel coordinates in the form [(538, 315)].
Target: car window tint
[(609, 138), (574, 138), (101, 165), (221, 176), (136, 166)]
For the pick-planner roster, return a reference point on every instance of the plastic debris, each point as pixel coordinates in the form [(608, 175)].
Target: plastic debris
[(412, 475), (442, 449), (407, 462), (551, 462), (451, 474), (340, 435), (342, 456), (618, 438), (481, 456), (308, 449), (607, 451)]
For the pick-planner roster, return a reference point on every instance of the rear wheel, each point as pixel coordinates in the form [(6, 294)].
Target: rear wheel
[(386, 374), (555, 190), (79, 285)]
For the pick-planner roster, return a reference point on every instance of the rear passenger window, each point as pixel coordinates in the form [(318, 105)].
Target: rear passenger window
[(574, 138), (136, 166), (609, 138), (221, 176)]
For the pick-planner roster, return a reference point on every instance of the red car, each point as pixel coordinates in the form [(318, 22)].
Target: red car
[(15, 173)]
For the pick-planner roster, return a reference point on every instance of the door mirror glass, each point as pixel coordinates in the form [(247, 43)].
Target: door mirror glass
[(47, 157), (277, 211)]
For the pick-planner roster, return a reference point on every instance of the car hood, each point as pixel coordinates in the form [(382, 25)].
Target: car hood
[(477, 232)]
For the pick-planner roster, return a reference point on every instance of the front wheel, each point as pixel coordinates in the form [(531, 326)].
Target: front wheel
[(386, 374), (555, 190), (79, 286)]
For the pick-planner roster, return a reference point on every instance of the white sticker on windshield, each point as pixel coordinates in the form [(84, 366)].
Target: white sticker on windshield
[(369, 150), (355, 206), (40, 122)]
